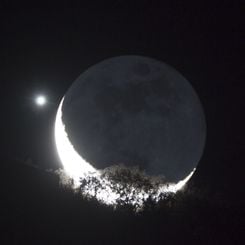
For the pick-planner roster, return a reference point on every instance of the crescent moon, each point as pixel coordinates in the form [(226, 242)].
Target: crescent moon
[(74, 165), (77, 168)]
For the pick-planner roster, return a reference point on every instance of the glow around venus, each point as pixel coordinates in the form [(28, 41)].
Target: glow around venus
[(103, 186)]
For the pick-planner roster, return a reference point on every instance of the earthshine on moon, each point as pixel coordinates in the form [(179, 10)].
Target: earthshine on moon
[(135, 111)]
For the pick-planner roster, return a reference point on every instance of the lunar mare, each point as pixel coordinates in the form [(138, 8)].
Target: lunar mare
[(77, 169)]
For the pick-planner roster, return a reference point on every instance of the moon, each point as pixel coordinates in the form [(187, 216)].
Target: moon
[(137, 111), (133, 110)]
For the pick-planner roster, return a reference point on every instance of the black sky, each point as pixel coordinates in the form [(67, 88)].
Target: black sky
[(44, 48)]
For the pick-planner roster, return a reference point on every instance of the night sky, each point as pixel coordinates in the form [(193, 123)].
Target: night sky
[(43, 50)]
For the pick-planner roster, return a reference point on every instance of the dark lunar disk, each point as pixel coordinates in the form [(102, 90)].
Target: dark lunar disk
[(136, 111)]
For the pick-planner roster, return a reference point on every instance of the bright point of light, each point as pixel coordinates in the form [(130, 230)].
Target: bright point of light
[(41, 100), (77, 168)]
